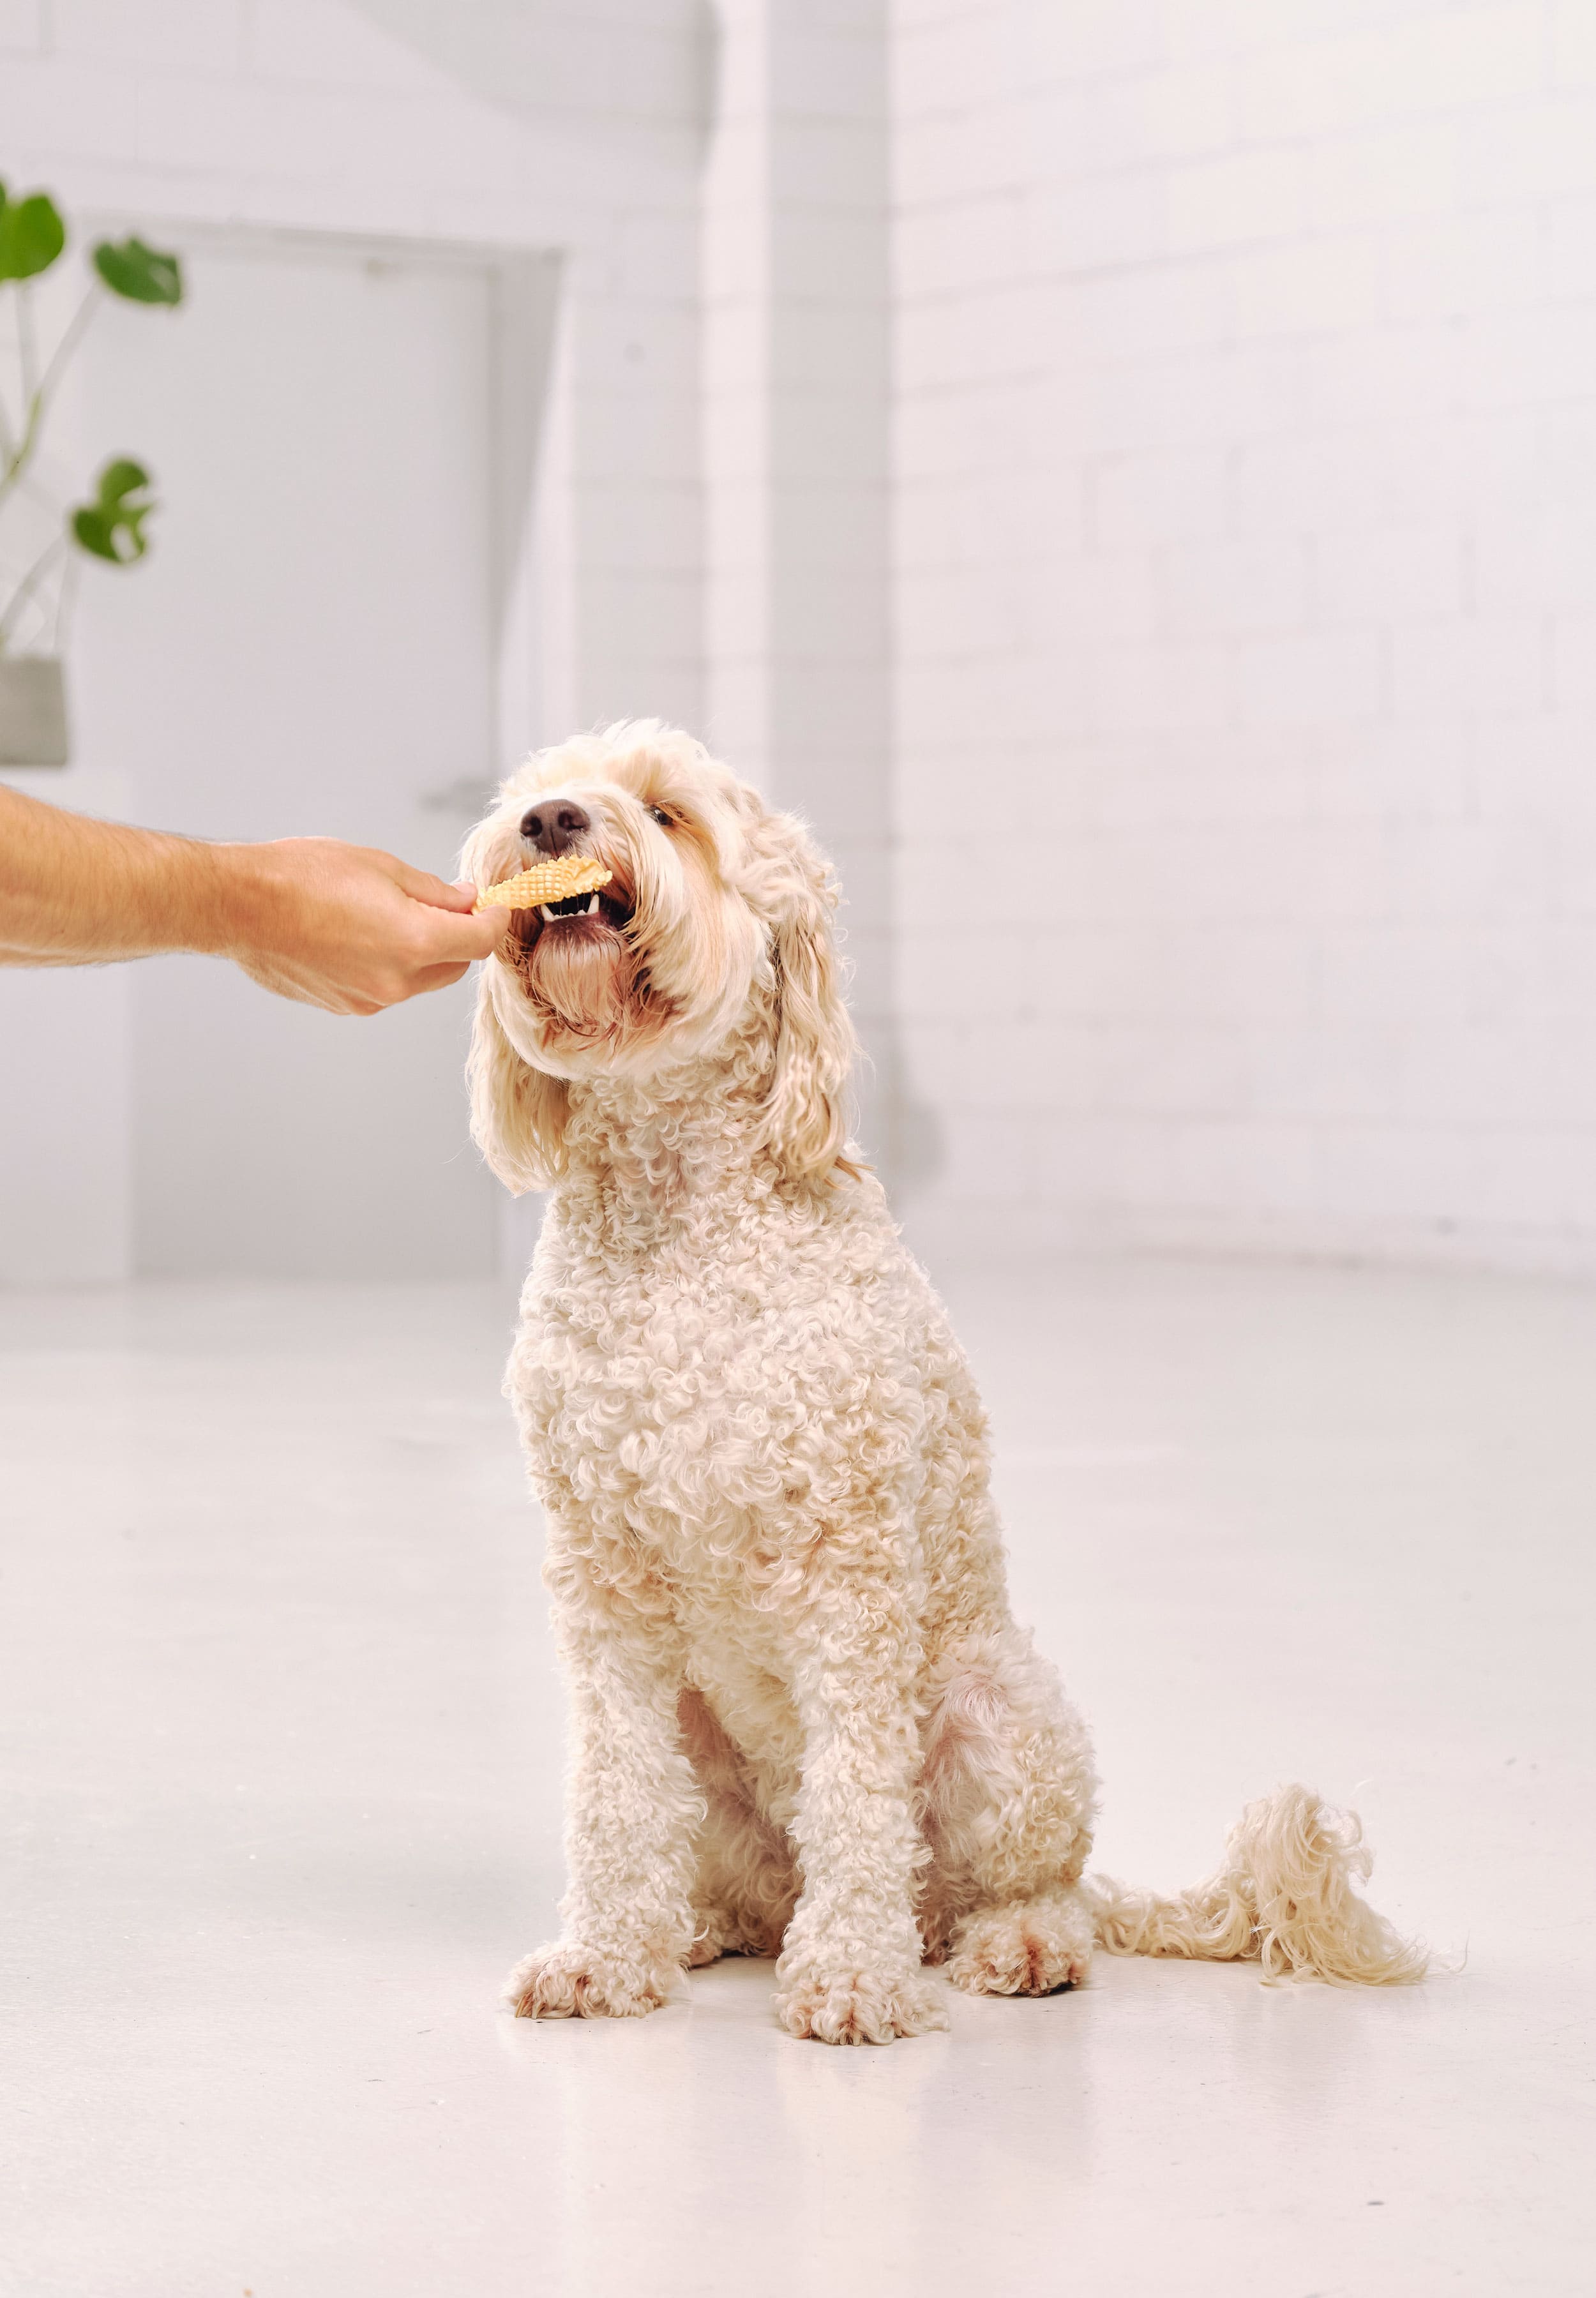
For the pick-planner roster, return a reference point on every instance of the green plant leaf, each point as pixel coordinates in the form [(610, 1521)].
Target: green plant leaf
[(112, 526), (32, 235), (143, 275)]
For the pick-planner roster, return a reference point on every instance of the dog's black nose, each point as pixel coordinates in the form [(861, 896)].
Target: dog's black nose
[(551, 829)]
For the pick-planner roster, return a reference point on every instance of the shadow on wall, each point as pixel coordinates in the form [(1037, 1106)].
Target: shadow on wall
[(904, 1137)]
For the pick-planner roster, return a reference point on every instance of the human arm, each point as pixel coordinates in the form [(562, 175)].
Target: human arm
[(344, 927)]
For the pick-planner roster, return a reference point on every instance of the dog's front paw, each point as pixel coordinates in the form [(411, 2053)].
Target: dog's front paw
[(568, 1980), (1030, 1948), (858, 2006)]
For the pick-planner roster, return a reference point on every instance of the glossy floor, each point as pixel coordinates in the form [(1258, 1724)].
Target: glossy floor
[(280, 1748)]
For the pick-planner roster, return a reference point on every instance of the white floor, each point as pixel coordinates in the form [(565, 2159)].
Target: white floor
[(280, 1751)]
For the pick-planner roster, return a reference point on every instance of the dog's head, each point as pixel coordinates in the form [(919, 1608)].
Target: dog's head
[(716, 905)]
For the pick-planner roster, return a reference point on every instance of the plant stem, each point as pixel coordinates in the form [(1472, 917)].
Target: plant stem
[(72, 335), (7, 437), (25, 344), (36, 389), (28, 585)]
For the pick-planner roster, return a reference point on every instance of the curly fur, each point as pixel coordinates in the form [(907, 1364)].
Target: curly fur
[(804, 1722)]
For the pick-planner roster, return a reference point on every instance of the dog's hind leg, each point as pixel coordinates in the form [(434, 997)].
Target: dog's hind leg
[(1008, 1788), (746, 1881), (1023, 1946)]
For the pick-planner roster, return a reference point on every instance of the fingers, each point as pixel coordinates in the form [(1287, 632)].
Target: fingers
[(438, 952), (438, 893), (442, 949)]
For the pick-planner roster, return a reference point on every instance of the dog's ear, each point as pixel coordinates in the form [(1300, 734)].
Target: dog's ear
[(517, 1114), (806, 1112)]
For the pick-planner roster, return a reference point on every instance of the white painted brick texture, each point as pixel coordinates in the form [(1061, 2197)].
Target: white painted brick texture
[(1244, 580)]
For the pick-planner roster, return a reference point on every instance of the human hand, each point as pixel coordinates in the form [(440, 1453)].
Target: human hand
[(347, 927)]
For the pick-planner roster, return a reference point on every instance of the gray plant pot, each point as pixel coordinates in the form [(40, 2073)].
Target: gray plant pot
[(33, 711)]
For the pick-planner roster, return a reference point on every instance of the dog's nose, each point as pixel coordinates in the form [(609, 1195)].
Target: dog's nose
[(551, 829)]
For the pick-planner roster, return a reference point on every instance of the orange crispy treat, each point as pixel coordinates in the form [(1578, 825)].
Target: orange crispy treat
[(546, 882)]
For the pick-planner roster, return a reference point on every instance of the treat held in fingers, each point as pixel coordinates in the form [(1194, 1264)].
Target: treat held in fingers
[(548, 884)]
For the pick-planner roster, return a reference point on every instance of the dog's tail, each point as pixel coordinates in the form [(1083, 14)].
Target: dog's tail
[(1283, 1895)]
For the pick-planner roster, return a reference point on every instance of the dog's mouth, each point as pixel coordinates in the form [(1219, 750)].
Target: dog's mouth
[(580, 922)]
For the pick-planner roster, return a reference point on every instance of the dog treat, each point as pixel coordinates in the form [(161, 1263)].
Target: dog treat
[(546, 882)]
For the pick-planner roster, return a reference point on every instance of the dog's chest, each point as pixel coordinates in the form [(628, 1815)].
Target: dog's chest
[(703, 1414)]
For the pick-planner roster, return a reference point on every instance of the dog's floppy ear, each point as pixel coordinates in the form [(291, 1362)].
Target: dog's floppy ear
[(517, 1114), (806, 1112)]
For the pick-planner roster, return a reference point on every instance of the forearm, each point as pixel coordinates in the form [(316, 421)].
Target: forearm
[(344, 927), (74, 892)]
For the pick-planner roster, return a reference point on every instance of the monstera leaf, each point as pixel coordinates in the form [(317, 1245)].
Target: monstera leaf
[(143, 275), (113, 527), (32, 235)]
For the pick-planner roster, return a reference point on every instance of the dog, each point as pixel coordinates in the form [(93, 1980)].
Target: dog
[(803, 1721)]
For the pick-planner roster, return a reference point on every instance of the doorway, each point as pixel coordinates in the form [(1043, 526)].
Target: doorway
[(313, 646)]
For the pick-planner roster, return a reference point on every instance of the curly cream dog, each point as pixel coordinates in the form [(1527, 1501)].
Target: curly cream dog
[(803, 1720)]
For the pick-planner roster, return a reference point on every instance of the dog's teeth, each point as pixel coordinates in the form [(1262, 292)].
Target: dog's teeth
[(546, 911), (593, 908)]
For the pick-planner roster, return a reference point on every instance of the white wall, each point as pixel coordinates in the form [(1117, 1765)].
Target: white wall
[(796, 409), (1240, 446), (1245, 587)]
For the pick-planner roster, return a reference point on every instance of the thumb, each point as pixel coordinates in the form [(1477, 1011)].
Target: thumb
[(484, 931)]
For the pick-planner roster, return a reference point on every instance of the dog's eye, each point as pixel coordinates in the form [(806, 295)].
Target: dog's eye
[(664, 820)]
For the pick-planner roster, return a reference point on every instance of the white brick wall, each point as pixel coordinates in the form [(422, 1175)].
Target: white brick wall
[(1238, 359), (1244, 538), (795, 456)]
